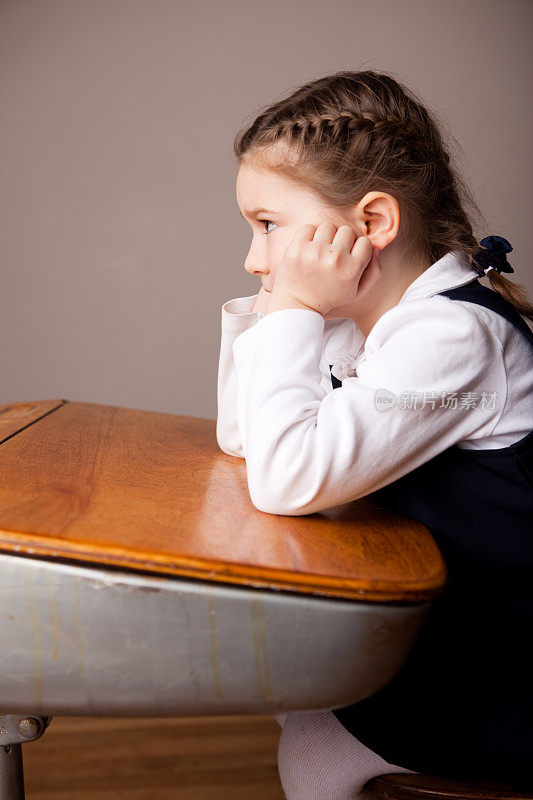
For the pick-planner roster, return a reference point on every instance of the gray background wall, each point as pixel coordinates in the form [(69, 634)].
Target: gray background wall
[(120, 234)]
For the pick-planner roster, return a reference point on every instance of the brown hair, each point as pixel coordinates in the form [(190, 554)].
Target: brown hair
[(345, 134)]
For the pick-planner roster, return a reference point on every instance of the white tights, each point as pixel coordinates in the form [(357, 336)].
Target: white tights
[(318, 759)]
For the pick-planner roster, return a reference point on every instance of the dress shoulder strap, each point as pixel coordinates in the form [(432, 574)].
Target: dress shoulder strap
[(475, 292)]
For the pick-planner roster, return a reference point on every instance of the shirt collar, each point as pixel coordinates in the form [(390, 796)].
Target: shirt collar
[(450, 271)]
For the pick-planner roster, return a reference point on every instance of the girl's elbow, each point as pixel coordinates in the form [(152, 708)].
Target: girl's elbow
[(274, 499), (265, 501), (266, 495), (277, 488), (270, 505)]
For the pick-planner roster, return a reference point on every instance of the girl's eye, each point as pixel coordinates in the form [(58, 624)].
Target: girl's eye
[(267, 222)]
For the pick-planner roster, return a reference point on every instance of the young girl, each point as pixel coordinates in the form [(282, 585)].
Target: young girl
[(373, 360)]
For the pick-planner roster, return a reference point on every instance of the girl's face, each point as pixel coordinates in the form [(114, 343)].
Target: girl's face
[(285, 207)]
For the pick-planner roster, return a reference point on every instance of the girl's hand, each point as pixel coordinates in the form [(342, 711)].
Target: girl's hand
[(322, 268), (261, 301)]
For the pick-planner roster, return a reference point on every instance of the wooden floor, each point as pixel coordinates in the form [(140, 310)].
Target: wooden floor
[(200, 758)]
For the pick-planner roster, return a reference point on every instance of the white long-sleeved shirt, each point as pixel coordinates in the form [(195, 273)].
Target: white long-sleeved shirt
[(432, 373)]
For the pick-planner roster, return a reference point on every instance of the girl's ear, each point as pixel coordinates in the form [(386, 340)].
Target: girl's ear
[(380, 214)]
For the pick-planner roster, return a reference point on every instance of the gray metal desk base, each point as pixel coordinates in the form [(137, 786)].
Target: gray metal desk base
[(89, 641)]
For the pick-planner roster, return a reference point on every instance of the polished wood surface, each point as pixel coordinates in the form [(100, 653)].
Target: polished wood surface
[(195, 758), (401, 786), (153, 491), (17, 416)]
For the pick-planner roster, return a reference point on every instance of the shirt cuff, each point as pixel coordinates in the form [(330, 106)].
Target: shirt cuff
[(237, 314)]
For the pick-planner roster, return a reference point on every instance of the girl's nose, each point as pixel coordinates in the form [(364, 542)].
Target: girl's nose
[(254, 266), (255, 270)]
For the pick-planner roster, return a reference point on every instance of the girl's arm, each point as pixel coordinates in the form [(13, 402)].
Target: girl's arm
[(433, 375), (237, 316)]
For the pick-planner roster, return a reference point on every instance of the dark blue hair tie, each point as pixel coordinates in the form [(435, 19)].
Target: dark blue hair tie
[(492, 255)]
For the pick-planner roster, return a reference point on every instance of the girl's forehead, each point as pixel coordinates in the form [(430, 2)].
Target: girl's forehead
[(249, 176), (264, 188)]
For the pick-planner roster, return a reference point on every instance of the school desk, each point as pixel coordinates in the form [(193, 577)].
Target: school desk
[(138, 579)]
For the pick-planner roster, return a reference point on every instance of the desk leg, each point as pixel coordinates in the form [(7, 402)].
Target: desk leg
[(11, 775), (15, 729)]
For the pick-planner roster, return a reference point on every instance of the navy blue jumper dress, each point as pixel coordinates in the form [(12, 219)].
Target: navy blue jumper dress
[(461, 706)]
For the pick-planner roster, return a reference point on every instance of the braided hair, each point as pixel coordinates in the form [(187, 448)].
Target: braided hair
[(346, 134)]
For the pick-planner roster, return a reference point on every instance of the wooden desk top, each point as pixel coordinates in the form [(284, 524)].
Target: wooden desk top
[(153, 491)]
